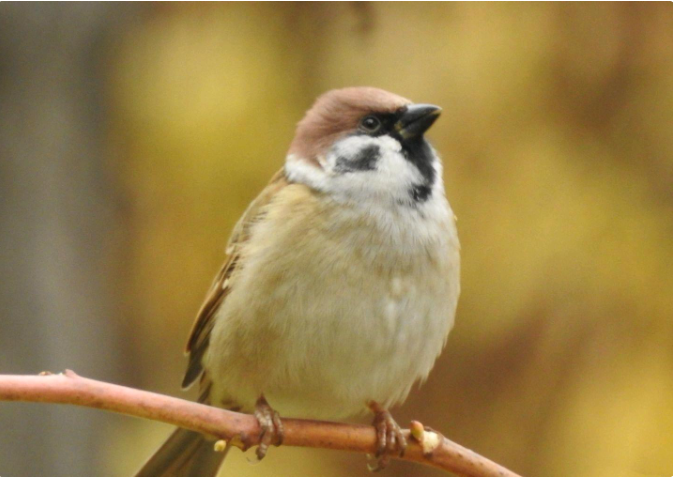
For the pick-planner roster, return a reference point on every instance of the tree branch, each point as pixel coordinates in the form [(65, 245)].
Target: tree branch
[(425, 446)]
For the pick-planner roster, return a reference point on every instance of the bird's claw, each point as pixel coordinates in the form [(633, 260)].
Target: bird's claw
[(390, 439), (270, 425)]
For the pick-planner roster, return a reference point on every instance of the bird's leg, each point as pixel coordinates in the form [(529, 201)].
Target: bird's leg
[(271, 426), (389, 437)]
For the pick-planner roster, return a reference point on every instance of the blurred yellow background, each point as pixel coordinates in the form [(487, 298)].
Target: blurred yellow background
[(133, 137)]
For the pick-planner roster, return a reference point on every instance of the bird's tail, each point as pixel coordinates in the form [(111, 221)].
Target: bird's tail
[(185, 453)]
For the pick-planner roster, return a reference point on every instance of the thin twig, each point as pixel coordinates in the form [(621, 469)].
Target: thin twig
[(425, 446)]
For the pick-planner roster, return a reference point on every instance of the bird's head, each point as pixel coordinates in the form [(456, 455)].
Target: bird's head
[(360, 143)]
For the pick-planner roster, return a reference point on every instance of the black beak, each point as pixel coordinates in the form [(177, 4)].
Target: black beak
[(416, 120)]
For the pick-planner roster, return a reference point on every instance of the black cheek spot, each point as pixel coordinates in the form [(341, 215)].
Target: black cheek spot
[(365, 160)]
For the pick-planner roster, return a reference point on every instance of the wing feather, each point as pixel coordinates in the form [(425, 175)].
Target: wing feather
[(199, 338)]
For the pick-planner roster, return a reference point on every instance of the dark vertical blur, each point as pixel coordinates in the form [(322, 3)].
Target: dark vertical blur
[(58, 229)]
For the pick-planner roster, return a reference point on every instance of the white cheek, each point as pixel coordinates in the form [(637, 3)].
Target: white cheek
[(351, 146), (391, 176), (394, 167)]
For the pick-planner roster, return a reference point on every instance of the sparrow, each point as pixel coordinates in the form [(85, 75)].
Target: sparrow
[(340, 284)]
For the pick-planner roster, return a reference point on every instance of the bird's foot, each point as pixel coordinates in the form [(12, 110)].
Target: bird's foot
[(389, 437), (271, 426)]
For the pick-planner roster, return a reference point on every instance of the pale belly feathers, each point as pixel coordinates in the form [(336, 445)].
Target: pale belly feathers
[(326, 315)]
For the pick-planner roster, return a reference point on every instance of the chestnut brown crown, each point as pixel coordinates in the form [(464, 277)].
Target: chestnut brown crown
[(336, 114)]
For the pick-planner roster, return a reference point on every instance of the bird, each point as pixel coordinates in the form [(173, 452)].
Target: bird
[(340, 284)]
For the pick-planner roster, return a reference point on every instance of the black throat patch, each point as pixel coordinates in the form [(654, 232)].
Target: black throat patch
[(418, 152)]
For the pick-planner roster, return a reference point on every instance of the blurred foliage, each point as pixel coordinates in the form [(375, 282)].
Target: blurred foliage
[(556, 136)]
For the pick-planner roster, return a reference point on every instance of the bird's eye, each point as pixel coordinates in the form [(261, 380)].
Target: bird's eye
[(370, 124)]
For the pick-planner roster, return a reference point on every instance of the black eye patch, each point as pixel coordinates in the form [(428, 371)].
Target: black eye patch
[(364, 160), (385, 124)]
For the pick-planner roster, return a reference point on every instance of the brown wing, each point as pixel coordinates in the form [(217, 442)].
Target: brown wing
[(199, 338)]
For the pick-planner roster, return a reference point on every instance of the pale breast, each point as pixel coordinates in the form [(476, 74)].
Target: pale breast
[(331, 308)]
